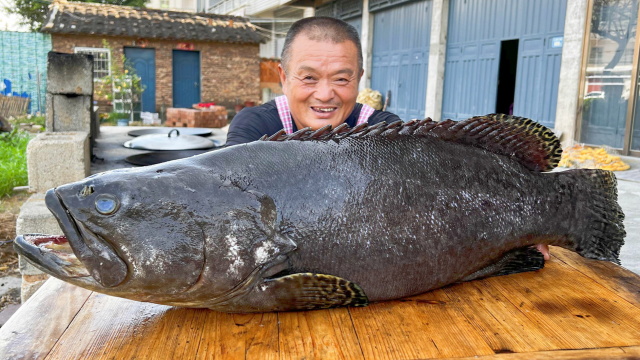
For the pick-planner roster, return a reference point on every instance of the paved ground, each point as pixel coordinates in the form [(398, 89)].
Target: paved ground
[(629, 199)]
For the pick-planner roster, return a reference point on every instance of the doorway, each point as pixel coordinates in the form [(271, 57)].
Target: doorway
[(507, 76), (143, 61), (186, 78)]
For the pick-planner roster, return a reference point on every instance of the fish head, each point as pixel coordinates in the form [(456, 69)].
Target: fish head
[(125, 232), (178, 233)]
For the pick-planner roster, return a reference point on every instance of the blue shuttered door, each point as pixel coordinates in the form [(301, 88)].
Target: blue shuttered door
[(537, 79), (186, 78), (476, 29), (401, 37), (143, 61), (356, 23), (471, 80)]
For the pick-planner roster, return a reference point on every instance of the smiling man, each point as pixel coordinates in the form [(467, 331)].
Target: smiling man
[(320, 72)]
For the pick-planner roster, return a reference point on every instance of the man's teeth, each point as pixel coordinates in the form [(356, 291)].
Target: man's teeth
[(324, 109)]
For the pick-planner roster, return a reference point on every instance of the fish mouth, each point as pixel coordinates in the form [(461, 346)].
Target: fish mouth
[(52, 254), (90, 254)]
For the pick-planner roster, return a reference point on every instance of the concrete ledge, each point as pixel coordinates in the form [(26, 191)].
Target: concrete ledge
[(69, 74), (34, 217), (54, 159)]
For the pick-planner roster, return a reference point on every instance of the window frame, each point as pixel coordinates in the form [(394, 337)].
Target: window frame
[(93, 51)]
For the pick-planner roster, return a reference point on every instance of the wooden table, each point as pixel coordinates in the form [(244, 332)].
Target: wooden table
[(572, 309)]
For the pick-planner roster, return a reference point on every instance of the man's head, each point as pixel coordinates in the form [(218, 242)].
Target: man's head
[(320, 71)]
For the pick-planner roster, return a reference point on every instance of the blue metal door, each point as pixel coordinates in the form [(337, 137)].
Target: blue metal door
[(356, 23), (401, 37), (186, 78), (476, 29), (143, 61), (537, 78)]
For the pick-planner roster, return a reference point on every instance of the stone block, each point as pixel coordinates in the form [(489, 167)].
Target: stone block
[(68, 113), (27, 268), (35, 217), (57, 158), (31, 284), (69, 74)]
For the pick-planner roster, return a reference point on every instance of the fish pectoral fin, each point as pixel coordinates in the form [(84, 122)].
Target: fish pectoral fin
[(514, 262), (307, 291)]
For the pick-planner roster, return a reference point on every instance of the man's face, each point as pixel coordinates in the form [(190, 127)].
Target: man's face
[(321, 83)]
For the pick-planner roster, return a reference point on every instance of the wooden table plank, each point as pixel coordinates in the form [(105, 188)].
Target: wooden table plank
[(547, 310), (321, 334), (168, 333), (36, 327), (239, 336), (501, 324), (107, 327), (611, 276), (617, 353), (582, 311), (570, 309), (418, 327)]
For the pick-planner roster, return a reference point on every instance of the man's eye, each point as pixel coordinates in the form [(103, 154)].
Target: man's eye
[(308, 78)]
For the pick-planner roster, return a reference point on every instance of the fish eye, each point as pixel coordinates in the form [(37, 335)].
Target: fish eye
[(107, 204)]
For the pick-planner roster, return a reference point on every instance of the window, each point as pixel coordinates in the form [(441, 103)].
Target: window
[(164, 4), (101, 61), (608, 77)]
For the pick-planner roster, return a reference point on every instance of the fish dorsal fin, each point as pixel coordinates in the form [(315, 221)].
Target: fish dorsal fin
[(524, 140)]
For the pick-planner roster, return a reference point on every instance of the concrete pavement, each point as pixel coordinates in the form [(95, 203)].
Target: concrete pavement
[(629, 200)]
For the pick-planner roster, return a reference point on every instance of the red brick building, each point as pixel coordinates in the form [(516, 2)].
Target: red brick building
[(182, 58)]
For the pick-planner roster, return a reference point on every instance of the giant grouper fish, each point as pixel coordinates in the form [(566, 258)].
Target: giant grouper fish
[(327, 218)]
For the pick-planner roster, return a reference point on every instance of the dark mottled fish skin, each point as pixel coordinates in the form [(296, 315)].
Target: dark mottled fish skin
[(404, 217), (289, 225)]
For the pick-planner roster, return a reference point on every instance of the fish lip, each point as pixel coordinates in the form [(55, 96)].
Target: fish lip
[(45, 261)]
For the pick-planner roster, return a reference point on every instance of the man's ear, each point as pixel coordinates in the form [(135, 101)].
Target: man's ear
[(283, 76)]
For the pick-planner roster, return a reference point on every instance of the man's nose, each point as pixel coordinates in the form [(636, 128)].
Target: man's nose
[(324, 92)]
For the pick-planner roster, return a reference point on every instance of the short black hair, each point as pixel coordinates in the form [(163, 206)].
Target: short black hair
[(321, 29)]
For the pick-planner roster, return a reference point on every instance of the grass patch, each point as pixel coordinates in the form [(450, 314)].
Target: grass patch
[(37, 120), (13, 160)]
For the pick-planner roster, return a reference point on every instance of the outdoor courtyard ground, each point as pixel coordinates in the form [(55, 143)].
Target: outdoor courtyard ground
[(629, 199)]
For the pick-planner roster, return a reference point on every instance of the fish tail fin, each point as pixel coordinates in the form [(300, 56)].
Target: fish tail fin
[(602, 234)]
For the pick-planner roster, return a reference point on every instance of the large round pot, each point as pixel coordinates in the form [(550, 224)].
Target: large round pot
[(171, 141)]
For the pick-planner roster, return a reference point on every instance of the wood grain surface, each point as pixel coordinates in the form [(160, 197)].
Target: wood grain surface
[(572, 309)]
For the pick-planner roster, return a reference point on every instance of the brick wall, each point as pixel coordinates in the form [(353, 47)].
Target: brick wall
[(228, 71)]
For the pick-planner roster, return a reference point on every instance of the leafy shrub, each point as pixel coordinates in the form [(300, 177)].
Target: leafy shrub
[(13, 160)]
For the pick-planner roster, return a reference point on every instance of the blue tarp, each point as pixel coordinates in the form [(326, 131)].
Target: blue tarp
[(23, 57)]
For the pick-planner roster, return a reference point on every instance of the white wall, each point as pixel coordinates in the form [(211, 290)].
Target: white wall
[(181, 5)]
